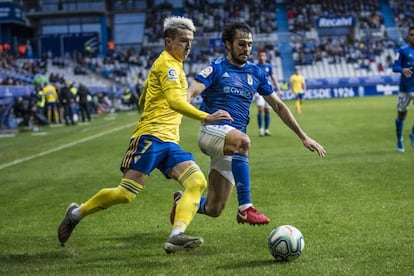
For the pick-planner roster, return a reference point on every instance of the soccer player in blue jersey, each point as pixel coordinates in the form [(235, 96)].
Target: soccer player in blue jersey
[(229, 83), (405, 65), (154, 142), (263, 108)]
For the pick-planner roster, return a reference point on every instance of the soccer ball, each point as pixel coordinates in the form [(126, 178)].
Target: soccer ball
[(286, 243)]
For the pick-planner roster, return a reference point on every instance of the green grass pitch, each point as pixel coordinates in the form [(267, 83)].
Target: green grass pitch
[(354, 207)]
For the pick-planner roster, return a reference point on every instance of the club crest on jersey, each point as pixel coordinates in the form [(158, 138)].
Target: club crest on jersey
[(172, 74), (206, 71), (249, 79)]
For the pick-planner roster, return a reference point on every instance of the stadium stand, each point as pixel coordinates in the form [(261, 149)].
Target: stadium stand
[(364, 49), (292, 32)]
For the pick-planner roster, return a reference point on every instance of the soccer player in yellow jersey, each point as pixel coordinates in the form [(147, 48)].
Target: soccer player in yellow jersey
[(298, 86), (51, 98), (154, 142)]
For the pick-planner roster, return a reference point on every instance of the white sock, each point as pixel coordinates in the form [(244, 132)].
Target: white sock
[(244, 206), (176, 231)]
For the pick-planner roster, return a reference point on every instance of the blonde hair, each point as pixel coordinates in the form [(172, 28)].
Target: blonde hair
[(172, 23)]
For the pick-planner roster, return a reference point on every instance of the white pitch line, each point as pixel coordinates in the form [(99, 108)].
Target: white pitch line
[(74, 143)]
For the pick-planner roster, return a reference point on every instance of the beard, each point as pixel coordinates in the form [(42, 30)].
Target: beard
[(237, 59)]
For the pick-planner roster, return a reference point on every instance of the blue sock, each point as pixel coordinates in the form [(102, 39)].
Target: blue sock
[(241, 173), (260, 120), (412, 130), (267, 121), (202, 206), (399, 124)]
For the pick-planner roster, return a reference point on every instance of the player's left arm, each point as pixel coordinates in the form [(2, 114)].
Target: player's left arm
[(287, 117)]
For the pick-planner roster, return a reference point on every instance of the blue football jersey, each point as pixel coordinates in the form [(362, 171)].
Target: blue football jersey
[(405, 59), (232, 88), (267, 67)]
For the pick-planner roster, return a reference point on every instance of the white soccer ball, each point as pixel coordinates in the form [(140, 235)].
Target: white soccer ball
[(286, 243)]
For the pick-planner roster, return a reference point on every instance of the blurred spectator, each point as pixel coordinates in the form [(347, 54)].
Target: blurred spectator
[(380, 67), (129, 99), (79, 70), (102, 103), (82, 98), (22, 50), (24, 110), (52, 99), (67, 100), (111, 47), (40, 100), (29, 50)]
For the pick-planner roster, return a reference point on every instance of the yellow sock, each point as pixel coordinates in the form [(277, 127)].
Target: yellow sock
[(49, 115), (105, 198), (56, 114), (298, 106), (194, 182)]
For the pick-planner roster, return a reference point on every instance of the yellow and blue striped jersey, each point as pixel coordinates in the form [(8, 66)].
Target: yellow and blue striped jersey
[(51, 95), (166, 84), (297, 82)]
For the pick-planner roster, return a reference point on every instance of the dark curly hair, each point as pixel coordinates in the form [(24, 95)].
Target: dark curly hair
[(230, 30)]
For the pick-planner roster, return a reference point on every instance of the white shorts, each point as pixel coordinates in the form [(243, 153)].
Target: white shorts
[(404, 101), (260, 101), (211, 142)]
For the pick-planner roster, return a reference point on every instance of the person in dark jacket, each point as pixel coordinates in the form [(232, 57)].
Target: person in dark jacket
[(82, 99), (66, 98)]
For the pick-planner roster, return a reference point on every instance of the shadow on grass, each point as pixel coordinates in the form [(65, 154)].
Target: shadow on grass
[(22, 258), (252, 264), (85, 247)]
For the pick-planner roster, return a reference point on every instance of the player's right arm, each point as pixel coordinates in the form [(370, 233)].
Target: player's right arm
[(141, 101)]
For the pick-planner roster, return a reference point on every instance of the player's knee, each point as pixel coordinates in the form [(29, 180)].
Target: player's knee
[(196, 180), (237, 141), (244, 145)]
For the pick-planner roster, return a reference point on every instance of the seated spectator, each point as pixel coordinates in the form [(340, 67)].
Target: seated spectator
[(129, 98), (364, 65), (380, 67), (23, 110), (79, 70)]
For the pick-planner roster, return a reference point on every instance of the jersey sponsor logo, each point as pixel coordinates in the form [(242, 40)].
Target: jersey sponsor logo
[(206, 71), (238, 91), (249, 79), (172, 74)]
